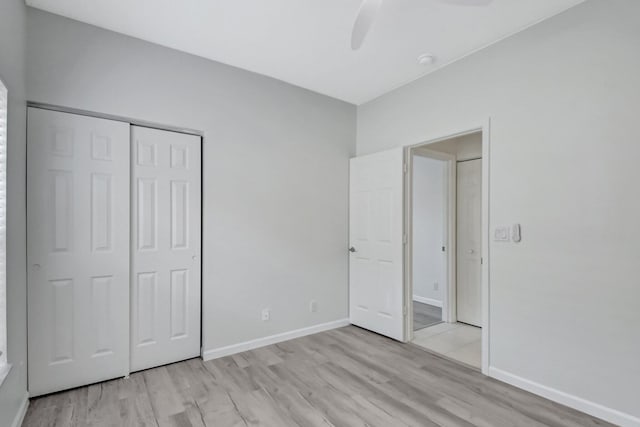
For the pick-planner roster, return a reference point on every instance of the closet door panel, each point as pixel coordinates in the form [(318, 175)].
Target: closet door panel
[(165, 294), (78, 249)]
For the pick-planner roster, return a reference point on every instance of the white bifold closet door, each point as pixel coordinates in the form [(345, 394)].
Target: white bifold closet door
[(165, 276), (78, 250)]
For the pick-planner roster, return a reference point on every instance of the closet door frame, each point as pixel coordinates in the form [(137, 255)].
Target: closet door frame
[(159, 126)]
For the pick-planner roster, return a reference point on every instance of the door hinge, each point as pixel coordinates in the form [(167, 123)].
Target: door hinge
[(443, 249), (481, 260), (404, 168), (404, 310), (404, 239)]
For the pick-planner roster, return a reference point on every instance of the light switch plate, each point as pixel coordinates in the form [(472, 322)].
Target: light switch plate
[(501, 234), (515, 233)]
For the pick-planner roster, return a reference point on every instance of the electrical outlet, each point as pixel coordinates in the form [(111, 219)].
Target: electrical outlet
[(266, 314), (436, 286), (313, 306)]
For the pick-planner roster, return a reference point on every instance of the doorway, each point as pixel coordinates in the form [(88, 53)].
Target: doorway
[(428, 234), (445, 243), (380, 240)]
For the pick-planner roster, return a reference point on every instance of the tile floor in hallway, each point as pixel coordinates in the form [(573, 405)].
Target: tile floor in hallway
[(456, 341), (425, 315)]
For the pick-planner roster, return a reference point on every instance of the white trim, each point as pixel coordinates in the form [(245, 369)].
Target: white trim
[(272, 339), (131, 121), (421, 148), (5, 368), (430, 301), (22, 411), (575, 402), (486, 224), (4, 108)]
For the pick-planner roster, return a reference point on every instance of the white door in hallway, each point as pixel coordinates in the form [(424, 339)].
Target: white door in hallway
[(469, 242), (376, 238), (165, 276), (78, 250)]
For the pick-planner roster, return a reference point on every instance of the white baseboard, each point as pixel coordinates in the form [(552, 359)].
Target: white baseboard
[(582, 405), (17, 421), (429, 301), (272, 339)]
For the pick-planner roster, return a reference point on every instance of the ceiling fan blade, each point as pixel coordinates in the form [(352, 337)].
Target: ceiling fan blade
[(468, 2), (364, 21)]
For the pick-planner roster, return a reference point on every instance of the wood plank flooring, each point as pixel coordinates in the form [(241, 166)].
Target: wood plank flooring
[(343, 377), (425, 315)]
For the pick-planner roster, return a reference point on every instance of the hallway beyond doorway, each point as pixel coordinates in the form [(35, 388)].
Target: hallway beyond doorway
[(425, 315)]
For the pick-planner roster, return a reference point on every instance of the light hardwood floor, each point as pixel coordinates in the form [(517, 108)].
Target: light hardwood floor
[(425, 315), (344, 377)]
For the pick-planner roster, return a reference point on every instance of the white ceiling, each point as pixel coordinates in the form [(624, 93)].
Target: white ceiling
[(307, 42)]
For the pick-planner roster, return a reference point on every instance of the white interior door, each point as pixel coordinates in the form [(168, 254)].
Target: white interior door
[(165, 295), (78, 250), (376, 289), (469, 242)]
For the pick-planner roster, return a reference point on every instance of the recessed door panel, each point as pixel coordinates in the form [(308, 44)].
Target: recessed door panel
[(179, 156), (102, 310), (179, 303), (78, 250), (147, 205), (61, 196), (146, 308), (61, 139), (62, 321), (166, 220), (179, 214), (101, 212), (100, 147), (360, 213), (147, 153)]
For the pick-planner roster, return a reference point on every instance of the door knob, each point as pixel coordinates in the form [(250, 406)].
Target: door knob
[(471, 251), (352, 249), (36, 267)]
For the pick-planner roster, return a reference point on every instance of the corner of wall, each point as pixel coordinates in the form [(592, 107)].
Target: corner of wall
[(572, 401), (13, 391)]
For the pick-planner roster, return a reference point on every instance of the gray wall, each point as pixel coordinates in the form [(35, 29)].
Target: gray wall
[(12, 63), (428, 228), (275, 168), (564, 102)]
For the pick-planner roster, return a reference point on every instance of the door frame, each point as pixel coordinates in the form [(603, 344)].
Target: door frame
[(160, 126), (485, 128)]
